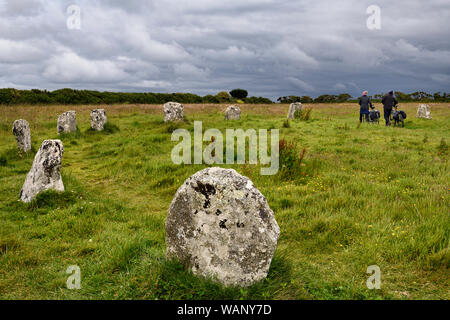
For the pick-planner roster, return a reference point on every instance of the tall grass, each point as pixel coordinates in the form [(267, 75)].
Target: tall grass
[(345, 198)]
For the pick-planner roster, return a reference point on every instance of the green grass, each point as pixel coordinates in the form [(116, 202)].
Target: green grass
[(362, 195)]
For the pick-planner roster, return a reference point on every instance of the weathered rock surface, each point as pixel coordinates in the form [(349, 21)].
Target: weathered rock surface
[(292, 108), (233, 113), (173, 112), (98, 119), (67, 122), (45, 172), (220, 226), (423, 111), (22, 133)]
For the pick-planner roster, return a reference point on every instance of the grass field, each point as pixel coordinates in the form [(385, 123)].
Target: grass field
[(364, 195)]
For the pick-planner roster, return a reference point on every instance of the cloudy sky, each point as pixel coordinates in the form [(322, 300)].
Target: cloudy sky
[(269, 47)]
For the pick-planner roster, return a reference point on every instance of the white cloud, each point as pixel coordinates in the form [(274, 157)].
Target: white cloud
[(68, 67), (419, 55), (186, 70), (301, 84), (149, 84), (339, 86), (230, 53), (19, 52), (442, 78), (151, 50), (22, 7), (290, 53)]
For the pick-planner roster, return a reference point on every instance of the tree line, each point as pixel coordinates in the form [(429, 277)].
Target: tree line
[(345, 97), (10, 96)]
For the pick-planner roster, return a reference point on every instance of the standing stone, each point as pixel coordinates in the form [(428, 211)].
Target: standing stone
[(424, 112), (67, 122), (98, 119), (292, 108), (21, 130), (173, 112), (220, 226), (233, 113), (45, 172)]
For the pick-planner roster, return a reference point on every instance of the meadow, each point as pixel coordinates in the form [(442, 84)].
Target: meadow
[(362, 195)]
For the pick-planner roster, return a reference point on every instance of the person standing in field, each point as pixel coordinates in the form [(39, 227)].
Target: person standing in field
[(364, 103), (388, 102)]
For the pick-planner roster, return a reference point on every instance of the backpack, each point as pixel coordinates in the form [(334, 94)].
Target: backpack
[(395, 115), (374, 115)]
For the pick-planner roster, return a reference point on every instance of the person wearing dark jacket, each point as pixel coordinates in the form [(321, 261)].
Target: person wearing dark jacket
[(388, 102), (365, 103)]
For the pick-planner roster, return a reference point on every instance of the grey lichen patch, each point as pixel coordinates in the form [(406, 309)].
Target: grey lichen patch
[(220, 226)]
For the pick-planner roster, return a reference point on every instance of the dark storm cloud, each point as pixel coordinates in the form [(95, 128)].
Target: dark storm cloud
[(269, 47)]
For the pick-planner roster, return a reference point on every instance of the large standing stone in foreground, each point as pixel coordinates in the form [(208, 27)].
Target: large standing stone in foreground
[(45, 172), (21, 130), (292, 108), (219, 225), (233, 113), (423, 111), (173, 112), (67, 122), (98, 119)]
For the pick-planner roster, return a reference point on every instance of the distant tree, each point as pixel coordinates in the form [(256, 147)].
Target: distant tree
[(9, 96), (282, 99), (258, 100), (289, 99), (378, 96), (437, 97), (210, 99), (223, 97), (325, 98), (343, 97), (420, 96), (239, 94), (403, 96), (306, 99)]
